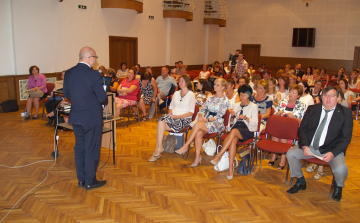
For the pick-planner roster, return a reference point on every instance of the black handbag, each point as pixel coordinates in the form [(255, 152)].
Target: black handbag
[(10, 106), (244, 165)]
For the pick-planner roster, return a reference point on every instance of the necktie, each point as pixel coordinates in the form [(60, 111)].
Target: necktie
[(319, 131)]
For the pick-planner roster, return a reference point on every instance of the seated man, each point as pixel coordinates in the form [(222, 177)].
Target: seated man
[(51, 104), (325, 131), (164, 83)]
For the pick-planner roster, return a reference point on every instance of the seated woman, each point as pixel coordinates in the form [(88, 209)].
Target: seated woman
[(231, 95), (181, 109), (245, 114), (317, 91), (263, 102), (307, 74), (127, 90), (202, 92), (314, 77), (138, 72), (254, 81), (36, 82), (102, 70), (348, 95), (243, 80), (210, 120), (148, 87), (123, 71), (354, 81), (306, 98), (217, 74), (114, 81), (204, 74), (149, 69), (290, 107), (272, 93), (283, 84)]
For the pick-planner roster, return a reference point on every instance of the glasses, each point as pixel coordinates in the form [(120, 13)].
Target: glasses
[(329, 96), (94, 56)]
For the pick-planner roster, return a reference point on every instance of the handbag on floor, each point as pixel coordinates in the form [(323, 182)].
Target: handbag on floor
[(244, 165), (169, 143), (209, 147), (224, 162), (10, 106)]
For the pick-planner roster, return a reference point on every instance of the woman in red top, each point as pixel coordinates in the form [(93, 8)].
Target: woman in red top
[(127, 90)]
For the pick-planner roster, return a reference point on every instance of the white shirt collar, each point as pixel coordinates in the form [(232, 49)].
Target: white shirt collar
[(85, 63)]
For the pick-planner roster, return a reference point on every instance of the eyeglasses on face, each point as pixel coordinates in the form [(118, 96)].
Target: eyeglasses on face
[(94, 56)]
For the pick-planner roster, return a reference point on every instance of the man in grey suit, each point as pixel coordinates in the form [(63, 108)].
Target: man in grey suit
[(82, 85), (325, 131)]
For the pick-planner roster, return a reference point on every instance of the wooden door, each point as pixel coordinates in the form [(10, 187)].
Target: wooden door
[(356, 63), (252, 54), (123, 50)]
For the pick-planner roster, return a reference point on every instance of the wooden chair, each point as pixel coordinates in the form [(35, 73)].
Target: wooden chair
[(318, 162), (280, 127), (50, 88)]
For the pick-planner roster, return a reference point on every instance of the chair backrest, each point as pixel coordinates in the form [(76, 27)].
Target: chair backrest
[(50, 87), (172, 90), (282, 127), (138, 95), (259, 123), (226, 117), (272, 111), (195, 112)]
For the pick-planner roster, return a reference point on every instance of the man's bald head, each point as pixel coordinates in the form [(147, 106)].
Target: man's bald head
[(87, 55)]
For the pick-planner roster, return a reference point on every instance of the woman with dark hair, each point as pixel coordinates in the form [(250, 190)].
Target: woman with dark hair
[(123, 71), (245, 115), (181, 109), (317, 91), (243, 80), (231, 94), (36, 82), (344, 85), (114, 81), (354, 82), (251, 70), (323, 74), (149, 69), (308, 73), (290, 107), (127, 92), (283, 82), (137, 67), (204, 74), (202, 92), (210, 120), (306, 98), (148, 87)]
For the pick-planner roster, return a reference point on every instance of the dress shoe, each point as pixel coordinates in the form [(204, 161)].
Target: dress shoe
[(196, 164), (50, 122), (294, 189), (230, 177), (35, 117), (27, 117), (337, 193), (214, 163), (81, 184), (95, 185)]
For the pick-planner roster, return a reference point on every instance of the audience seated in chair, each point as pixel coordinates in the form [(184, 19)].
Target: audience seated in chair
[(263, 102), (245, 114), (202, 92), (148, 87), (210, 119), (51, 104), (114, 81), (291, 107), (123, 71), (127, 90), (36, 82), (180, 113)]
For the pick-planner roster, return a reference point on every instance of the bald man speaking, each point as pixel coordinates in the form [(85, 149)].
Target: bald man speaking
[(82, 85)]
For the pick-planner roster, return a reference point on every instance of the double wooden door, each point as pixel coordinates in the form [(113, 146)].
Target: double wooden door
[(123, 50)]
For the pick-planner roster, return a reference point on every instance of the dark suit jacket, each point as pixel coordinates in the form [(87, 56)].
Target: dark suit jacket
[(300, 74), (82, 85), (339, 132)]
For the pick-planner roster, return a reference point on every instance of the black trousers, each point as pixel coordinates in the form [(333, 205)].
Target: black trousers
[(87, 152), (50, 105)]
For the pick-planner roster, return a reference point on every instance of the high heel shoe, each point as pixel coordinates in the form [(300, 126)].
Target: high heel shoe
[(179, 153), (214, 163), (229, 177), (271, 163), (196, 164)]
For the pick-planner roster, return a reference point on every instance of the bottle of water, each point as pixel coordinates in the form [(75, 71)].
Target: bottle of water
[(25, 113)]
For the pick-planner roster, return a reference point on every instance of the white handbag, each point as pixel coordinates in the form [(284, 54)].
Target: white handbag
[(209, 147), (224, 162)]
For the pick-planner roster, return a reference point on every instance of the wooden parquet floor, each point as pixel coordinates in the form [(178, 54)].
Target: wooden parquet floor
[(168, 190)]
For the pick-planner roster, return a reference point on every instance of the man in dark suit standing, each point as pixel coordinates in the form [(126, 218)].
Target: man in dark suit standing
[(326, 131), (82, 85), (298, 72)]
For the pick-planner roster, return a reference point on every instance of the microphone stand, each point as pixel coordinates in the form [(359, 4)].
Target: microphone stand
[(55, 154)]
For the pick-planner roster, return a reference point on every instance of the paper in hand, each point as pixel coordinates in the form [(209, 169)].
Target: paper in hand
[(319, 157)]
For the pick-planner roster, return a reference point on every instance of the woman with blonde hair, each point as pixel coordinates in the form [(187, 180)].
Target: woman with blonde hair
[(209, 120), (263, 101)]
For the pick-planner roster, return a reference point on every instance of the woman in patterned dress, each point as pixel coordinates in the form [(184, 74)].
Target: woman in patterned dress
[(291, 107), (181, 109), (210, 119), (148, 87)]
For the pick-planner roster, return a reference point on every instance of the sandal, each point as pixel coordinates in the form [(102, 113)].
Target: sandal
[(271, 163), (144, 119), (280, 167), (136, 118), (318, 175), (311, 168)]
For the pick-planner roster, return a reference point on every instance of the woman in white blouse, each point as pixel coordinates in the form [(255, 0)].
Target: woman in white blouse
[(246, 118), (204, 74), (181, 109), (306, 98), (123, 71)]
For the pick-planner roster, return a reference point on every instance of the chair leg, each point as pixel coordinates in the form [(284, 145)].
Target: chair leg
[(287, 174), (357, 111), (332, 186), (127, 125), (43, 114), (260, 159)]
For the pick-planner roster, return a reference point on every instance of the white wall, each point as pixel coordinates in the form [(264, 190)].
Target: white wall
[(50, 34), (6, 39), (271, 22)]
